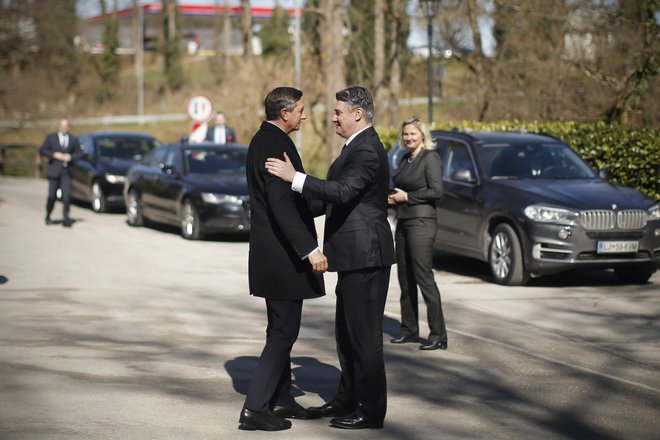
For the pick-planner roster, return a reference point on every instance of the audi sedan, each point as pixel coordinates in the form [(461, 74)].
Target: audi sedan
[(529, 205), (200, 188), (99, 173)]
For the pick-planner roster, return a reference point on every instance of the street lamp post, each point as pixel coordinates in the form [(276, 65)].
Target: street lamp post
[(430, 10)]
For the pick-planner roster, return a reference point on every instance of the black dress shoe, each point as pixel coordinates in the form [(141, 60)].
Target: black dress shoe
[(404, 339), (49, 221), (434, 345), (355, 420), (330, 410), (67, 222), (297, 411), (262, 421)]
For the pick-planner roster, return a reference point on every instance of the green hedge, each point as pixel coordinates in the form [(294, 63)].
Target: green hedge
[(630, 156)]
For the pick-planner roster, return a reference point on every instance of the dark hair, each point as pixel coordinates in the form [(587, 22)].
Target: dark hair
[(279, 98), (357, 96)]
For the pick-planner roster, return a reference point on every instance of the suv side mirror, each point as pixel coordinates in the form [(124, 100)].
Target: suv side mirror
[(463, 175), (603, 174)]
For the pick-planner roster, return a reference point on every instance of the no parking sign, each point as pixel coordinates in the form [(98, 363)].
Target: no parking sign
[(200, 108)]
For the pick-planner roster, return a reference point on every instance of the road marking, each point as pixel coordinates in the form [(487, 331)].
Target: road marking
[(544, 358)]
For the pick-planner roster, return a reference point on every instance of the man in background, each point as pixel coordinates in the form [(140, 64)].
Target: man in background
[(61, 148), (221, 133)]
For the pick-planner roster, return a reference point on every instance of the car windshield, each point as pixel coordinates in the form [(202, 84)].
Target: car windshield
[(124, 148), (533, 160), (207, 161)]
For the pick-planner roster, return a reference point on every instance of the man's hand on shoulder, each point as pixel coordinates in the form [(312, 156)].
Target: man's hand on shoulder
[(282, 169), (318, 261)]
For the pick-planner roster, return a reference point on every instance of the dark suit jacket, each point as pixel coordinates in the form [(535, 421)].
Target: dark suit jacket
[(422, 180), (230, 134), (51, 145), (282, 225), (357, 234)]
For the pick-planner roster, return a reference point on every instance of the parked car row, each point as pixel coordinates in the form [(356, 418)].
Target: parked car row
[(529, 205), (99, 173), (200, 188)]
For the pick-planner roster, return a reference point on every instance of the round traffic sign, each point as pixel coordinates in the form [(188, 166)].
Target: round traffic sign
[(200, 108)]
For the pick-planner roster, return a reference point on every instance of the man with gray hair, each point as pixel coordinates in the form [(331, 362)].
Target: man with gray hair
[(359, 246), (285, 265)]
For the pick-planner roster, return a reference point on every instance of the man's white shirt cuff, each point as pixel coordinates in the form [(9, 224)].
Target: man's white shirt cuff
[(298, 182), (316, 249)]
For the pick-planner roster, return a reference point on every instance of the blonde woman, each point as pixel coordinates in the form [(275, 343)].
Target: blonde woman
[(418, 182)]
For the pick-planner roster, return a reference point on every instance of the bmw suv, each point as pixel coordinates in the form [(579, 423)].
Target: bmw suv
[(529, 205)]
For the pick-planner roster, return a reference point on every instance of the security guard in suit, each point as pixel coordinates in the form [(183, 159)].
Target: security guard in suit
[(61, 149)]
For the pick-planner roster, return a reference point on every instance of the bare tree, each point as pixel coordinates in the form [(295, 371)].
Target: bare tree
[(170, 46), (636, 45), (332, 65), (246, 28), (226, 38), (397, 45), (379, 89)]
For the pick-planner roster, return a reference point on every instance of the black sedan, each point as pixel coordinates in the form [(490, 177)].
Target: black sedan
[(99, 173), (200, 188), (529, 205)]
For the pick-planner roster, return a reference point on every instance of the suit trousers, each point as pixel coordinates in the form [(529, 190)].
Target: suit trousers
[(361, 296), (63, 181), (414, 255), (271, 381)]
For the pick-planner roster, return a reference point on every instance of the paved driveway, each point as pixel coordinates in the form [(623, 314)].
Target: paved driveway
[(113, 332)]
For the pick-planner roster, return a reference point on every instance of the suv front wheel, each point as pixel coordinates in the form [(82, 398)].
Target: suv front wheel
[(505, 257)]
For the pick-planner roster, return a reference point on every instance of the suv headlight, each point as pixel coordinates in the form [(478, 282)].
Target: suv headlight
[(217, 199), (114, 178), (550, 214), (654, 212)]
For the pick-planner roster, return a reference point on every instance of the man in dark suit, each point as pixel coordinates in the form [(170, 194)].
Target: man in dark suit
[(285, 263), (359, 246), (61, 148), (221, 133)]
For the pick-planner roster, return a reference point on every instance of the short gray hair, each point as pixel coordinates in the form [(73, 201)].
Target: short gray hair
[(358, 97)]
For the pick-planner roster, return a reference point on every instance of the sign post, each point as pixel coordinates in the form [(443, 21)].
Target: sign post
[(199, 109)]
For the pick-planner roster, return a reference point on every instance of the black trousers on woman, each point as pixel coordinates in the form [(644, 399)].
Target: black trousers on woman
[(414, 256)]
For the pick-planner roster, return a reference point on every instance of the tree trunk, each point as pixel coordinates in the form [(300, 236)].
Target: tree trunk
[(398, 15), (379, 85), (332, 62), (135, 28), (226, 39), (246, 28)]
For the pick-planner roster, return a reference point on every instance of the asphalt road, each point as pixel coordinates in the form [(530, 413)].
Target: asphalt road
[(113, 332)]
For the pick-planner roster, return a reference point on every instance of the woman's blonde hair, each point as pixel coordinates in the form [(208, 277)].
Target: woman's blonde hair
[(427, 140)]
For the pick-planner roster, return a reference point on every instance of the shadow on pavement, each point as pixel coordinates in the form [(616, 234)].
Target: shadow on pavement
[(310, 376)]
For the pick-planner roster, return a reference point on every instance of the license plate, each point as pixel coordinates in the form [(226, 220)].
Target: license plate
[(617, 247)]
